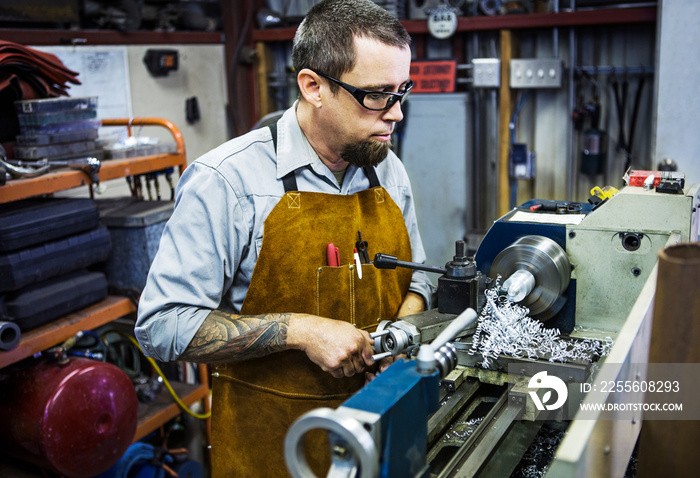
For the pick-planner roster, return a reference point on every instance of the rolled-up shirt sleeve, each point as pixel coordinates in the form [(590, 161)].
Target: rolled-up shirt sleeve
[(403, 196), (194, 263), (420, 282)]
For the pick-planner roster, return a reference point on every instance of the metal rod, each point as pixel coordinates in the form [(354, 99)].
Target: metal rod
[(555, 34), (570, 164), (609, 70), (380, 356), (474, 202), (421, 267), (618, 6)]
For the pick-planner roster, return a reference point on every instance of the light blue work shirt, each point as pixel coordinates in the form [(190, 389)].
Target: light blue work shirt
[(208, 250)]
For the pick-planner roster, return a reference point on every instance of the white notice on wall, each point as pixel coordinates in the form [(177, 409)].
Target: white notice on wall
[(103, 72)]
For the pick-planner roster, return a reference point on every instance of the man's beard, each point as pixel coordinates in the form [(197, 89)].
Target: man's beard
[(366, 153)]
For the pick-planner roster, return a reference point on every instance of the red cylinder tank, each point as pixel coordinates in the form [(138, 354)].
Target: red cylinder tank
[(76, 419)]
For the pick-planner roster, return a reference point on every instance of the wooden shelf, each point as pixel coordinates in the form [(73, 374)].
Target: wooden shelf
[(56, 332), (507, 22), (163, 408), (35, 36)]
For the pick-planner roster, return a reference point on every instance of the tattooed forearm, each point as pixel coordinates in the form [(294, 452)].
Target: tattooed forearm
[(231, 338)]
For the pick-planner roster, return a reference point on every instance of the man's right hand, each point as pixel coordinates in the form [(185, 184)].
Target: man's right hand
[(339, 348)]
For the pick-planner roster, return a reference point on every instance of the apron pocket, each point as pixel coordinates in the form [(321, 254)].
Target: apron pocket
[(341, 295)]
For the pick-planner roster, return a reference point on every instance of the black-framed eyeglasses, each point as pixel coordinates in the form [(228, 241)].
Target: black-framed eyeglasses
[(372, 100)]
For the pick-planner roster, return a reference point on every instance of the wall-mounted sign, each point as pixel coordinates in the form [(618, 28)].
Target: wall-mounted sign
[(434, 76), (442, 21)]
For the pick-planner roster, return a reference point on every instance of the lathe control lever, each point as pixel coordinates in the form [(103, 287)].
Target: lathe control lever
[(428, 360), (386, 261), (459, 285)]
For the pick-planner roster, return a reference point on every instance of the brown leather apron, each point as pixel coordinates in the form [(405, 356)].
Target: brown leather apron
[(256, 401)]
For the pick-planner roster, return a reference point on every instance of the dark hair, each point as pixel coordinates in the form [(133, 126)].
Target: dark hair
[(325, 40)]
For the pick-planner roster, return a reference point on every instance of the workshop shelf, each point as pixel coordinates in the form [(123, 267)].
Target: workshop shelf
[(506, 22), (48, 335), (164, 408), (64, 178), (44, 36)]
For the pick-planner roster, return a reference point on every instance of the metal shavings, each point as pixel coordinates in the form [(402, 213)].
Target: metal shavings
[(504, 328), (445, 400), (536, 460), (462, 430)]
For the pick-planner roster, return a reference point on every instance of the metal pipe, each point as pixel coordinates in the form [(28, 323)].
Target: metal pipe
[(555, 33), (570, 167), (476, 156), (674, 337), (609, 70), (677, 307), (494, 148)]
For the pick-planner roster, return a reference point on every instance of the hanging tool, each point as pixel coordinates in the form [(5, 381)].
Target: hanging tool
[(624, 145), (361, 247), (89, 165), (593, 139)]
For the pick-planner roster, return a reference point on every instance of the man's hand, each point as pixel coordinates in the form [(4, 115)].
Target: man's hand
[(383, 365), (337, 347)]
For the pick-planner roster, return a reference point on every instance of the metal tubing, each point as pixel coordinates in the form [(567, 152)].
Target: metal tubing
[(555, 34), (669, 447), (570, 166), (9, 335), (475, 199), (677, 306), (608, 70)]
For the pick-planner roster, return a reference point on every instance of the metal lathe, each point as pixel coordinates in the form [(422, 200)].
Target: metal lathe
[(557, 295)]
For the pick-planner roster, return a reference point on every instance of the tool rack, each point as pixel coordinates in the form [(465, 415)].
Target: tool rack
[(113, 307)]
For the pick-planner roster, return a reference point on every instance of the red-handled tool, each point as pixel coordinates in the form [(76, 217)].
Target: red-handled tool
[(332, 255)]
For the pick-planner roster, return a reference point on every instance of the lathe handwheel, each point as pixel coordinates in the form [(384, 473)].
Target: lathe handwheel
[(547, 262), (360, 453)]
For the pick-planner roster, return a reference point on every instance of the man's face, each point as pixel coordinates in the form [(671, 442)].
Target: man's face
[(360, 136)]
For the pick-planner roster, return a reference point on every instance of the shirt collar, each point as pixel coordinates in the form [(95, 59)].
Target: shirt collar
[(293, 149)]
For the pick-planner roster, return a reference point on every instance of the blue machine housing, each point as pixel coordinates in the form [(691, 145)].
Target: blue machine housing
[(505, 232), (398, 393)]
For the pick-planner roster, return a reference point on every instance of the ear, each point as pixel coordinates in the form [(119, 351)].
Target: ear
[(310, 87)]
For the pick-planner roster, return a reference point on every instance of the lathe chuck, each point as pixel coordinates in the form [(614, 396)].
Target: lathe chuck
[(548, 264)]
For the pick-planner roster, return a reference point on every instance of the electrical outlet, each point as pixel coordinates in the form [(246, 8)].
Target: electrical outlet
[(487, 72), (536, 73)]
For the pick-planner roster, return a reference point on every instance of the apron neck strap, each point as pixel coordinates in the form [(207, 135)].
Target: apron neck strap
[(290, 180)]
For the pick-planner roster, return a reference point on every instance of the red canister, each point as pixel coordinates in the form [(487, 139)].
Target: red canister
[(76, 418)]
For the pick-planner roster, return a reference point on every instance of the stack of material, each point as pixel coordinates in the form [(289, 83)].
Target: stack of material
[(46, 246), (27, 74), (57, 129)]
